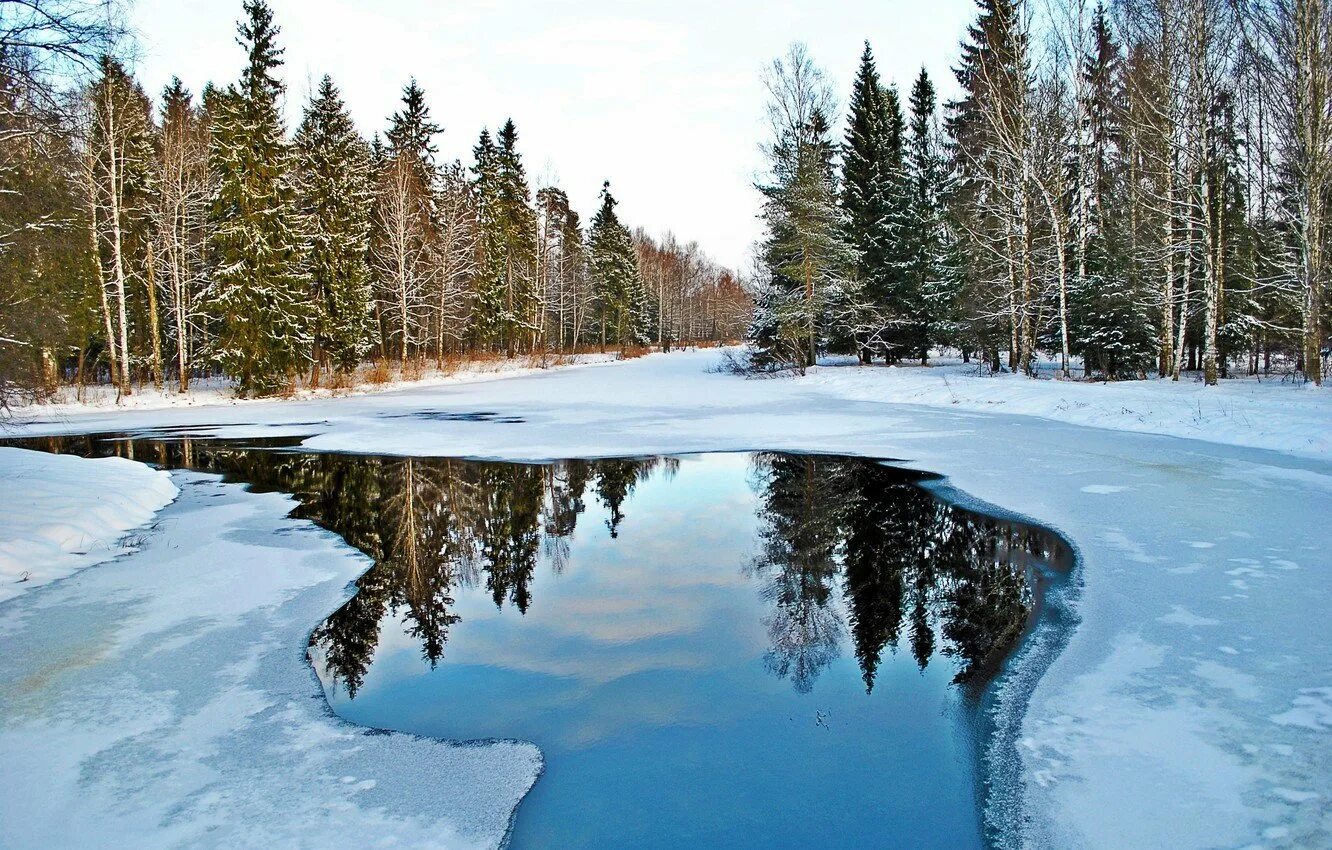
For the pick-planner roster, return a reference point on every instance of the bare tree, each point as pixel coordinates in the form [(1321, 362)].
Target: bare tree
[(184, 190), (1297, 37), (121, 159), (457, 254), (404, 254)]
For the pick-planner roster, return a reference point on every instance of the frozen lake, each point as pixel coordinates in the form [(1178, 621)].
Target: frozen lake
[(1188, 708)]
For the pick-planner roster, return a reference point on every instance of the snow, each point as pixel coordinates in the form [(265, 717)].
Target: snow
[(1190, 706), (1265, 414), (60, 513), (164, 700)]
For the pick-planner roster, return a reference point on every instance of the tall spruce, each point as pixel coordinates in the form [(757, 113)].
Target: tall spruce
[(871, 197), (1109, 328), (614, 267), (516, 241), (260, 292), (990, 198), (929, 270), (412, 131), (335, 197), (488, 319)]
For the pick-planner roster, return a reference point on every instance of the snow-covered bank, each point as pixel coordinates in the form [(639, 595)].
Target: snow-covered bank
[(60, 513), (1265, 414), (164, 701)]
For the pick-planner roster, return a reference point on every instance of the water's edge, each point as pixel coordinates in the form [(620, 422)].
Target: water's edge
[(1003, 704)]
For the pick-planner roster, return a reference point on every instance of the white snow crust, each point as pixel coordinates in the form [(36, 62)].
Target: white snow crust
[(60, 513)]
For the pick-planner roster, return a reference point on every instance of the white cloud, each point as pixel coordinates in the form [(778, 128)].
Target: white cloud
[(662, 97)]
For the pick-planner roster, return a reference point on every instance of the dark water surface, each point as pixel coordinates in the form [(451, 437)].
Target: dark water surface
[(738, 650)]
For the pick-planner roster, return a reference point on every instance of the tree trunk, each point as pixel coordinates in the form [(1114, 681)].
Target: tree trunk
[(154, 325)]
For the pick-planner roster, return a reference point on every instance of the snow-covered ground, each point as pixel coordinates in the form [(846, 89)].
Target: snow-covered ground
[(1191, 707), (1267, 413), (59, 514), (1259, 413), (164, 700)]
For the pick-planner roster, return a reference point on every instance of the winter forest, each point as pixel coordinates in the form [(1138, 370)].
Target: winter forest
[(154, 241), (1131, 189), (1140, 187)]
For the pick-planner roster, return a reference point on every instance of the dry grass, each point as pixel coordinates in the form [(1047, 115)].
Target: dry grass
[(340, 382), (379, 372), (632, 352), (410, 371)]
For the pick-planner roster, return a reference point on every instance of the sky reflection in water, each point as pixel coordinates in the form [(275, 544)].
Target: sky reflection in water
[(737, 650)]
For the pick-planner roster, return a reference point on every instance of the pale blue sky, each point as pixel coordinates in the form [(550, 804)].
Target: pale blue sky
[(662, 97)]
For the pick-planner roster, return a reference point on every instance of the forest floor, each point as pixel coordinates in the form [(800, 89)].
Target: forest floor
[(1191, 707)]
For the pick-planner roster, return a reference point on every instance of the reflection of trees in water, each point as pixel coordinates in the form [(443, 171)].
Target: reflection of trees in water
[(431, 525), (454, 524), (913, 569), (797, 555)]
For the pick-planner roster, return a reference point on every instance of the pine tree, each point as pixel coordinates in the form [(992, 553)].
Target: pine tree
[(336, 197), (411, 130), (260, 292), (621, 300), (1109, 326), (871, 163), (989, 199)]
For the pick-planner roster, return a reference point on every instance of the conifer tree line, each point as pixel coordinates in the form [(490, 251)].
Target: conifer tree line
[(1130, 190), (156, 242)]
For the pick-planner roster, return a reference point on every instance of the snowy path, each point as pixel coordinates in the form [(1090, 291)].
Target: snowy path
[(164, 700), (1192, 706)]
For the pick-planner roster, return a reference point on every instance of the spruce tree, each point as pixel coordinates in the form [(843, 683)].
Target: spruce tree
[(260, 292), (1108, 326), (488, 317), (993, 78), (925, 239), (411, 130), (620, 298), (516, 223), (871, 164), (335, 195), (865, 154)]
